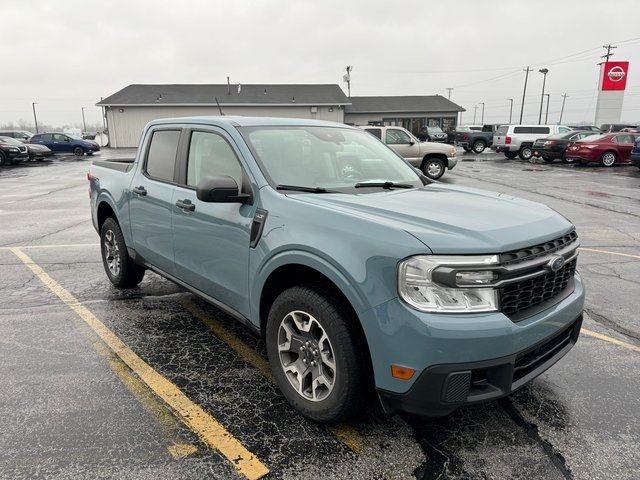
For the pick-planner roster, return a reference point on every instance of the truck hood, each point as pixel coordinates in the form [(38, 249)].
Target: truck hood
[(451, 219)]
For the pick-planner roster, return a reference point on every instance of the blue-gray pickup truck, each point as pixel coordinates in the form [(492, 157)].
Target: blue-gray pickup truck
[(358, 271)]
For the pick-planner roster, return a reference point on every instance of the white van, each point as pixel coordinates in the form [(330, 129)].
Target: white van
[(517, 140)]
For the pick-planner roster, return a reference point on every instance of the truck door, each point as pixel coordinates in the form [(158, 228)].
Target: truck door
[(211, 240), (150, 204), (403, 144)]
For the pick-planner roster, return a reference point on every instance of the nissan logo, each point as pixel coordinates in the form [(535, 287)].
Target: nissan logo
[(615, 74), (556, 263)]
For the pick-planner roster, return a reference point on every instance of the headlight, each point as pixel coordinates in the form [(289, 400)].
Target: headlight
[(417, 287), (14, 150), (452, 152)]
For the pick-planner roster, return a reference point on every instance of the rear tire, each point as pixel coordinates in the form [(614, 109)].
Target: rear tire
[(525, 153), (608, 159), (120, 268), (78, 151), (479, 146), (548, 159), (322, 371), (433, 168), (511, 155)]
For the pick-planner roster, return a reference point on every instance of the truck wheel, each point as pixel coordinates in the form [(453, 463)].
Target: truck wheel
[(78, 151), (511, 155), (433, 168), (315, 355), (120, 269), (525, 153), (608, 159), (479, 146), (547, 159)]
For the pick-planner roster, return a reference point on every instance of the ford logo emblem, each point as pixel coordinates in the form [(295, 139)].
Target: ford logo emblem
[(556, 263)]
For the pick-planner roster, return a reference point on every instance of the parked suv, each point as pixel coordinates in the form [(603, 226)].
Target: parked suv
[(432, 134), (517, 140), (12, 151), (21, 135), (432, 158), (357, 271), (477, 141)]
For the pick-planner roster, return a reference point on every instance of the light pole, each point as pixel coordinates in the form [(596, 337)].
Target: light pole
[(475, 110), (35, 118), (524, 93), (510, 109), (546, 115), (544, 72), (482, 122), (564, 97), (84, 123)]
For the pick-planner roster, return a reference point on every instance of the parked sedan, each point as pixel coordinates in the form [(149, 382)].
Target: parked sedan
[(432, 134), (38, 152), (607, 149), (12, 151), (555, 146), (66, 143)]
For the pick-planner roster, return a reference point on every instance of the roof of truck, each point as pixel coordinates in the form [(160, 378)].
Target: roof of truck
[(239, 121)]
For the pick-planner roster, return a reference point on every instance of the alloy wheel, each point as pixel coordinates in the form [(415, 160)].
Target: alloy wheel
[(112, 253), (608, 159), (434, 169)]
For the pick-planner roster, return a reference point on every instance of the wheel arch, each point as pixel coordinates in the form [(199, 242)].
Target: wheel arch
[(105, 210), (428, 156)]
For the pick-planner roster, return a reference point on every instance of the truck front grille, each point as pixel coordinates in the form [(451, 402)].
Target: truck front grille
[(530, 253), (524, 295)]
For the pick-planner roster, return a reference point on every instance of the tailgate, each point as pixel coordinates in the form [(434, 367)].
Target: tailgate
[(499, 138)]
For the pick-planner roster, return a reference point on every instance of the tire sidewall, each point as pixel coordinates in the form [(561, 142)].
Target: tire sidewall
[(482, 145), (524, 156), (602, 159), (3, 159), (78, 151), (425, 168), (111, 225), (332, 408)]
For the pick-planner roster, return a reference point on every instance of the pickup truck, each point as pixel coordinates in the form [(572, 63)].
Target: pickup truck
[(477, 141), (430, 157), (358, 271)]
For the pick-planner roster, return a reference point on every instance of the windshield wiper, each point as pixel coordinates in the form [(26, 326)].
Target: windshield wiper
[(303, 189), (383, 185)]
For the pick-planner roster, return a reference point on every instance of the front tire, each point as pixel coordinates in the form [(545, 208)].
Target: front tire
[(511, 155), (78, 151), (525, 153), (120, 268), (479, 146), (548, 159), (433, 168), (608, 159), (315, 355), (3, 159)]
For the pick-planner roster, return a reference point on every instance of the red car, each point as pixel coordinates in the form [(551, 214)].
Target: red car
[(607, 149)]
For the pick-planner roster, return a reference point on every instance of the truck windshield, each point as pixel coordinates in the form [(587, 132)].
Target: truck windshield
[(325, 157)]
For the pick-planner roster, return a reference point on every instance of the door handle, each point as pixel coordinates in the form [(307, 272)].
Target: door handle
[(186, 205), (139, 190)]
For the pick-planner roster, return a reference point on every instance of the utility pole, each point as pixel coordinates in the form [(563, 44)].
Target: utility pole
[(35, 118), (609, 47), (510, 109), (347, 79), (475, 110), (482, 122), (84, 123), (546, 115), (449, 90), (524, 92), (564, 97), (544, 72)]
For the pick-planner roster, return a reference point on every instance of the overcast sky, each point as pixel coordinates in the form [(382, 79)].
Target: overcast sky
[(67, 54)]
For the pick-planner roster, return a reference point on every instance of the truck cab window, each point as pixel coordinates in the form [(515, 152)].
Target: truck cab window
[(211, 155), (161, 158), (397, 137)]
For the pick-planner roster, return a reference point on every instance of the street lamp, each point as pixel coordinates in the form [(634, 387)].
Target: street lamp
[(544, 72), (482, 122), (35, 118), (510, 109), (84, 123), (546, 115)]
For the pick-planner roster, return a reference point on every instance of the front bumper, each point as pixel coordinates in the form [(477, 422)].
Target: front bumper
[(635, 159), (442, 388), (541, 152), (452, 162)]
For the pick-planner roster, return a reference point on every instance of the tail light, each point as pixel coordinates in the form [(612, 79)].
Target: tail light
[(507, 140), (549, 143), (465, 136)]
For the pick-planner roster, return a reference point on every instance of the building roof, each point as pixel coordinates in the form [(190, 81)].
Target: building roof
[(206, 94), (402, 104)]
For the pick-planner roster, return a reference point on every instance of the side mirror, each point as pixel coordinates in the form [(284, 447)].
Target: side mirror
[(220, 189), (411, 142)]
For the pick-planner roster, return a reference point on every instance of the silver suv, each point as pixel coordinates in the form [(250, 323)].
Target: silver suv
[(430, 157), (517, 140)]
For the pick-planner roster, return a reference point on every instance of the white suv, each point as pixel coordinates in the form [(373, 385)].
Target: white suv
[(430, 157), (517, 140)]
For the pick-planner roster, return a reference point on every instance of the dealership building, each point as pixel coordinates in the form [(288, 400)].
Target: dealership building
[(128, 110)]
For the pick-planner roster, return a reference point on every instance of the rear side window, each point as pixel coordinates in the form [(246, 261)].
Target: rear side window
[(531, 130), (161, 157), (503, 130), (211, 155), (376, 132)]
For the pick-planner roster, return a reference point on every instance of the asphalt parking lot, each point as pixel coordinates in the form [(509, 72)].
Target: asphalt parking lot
[(153, 383)]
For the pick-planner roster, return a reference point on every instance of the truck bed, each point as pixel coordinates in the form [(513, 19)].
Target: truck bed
[(120, 164)]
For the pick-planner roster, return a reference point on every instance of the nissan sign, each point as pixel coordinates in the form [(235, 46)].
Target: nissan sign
[(614, 75)]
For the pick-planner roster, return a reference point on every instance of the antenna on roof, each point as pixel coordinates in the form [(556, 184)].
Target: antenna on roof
[(219, 108)]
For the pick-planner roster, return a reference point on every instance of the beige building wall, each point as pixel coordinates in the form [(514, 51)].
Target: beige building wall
[(126, 126)]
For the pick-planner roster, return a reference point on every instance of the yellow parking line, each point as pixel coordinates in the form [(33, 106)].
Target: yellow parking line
[(69, 245), (345, 433), (210, 431), (610, 253), (609, 339)]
